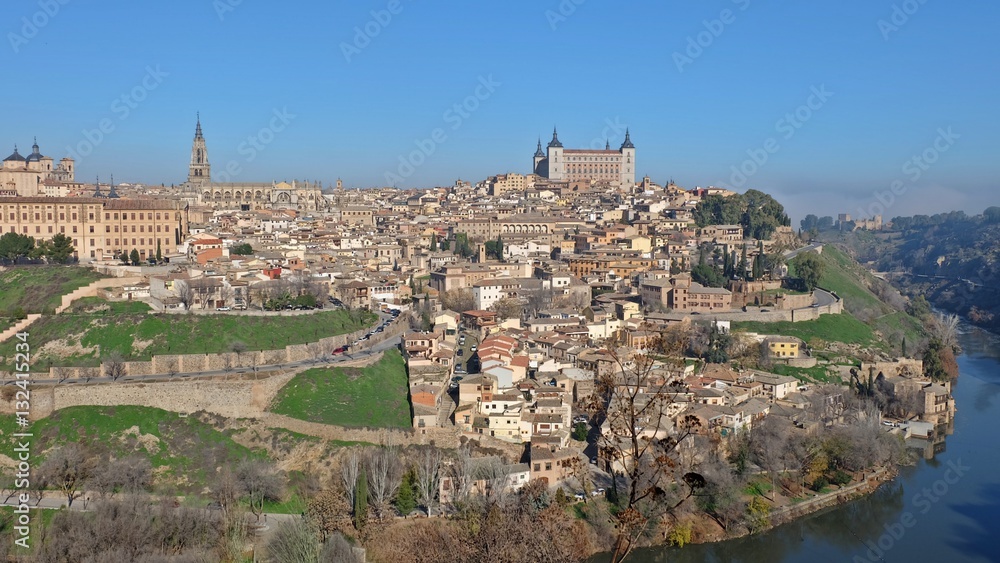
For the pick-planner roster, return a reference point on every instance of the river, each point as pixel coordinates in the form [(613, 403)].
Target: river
[(946, 509)]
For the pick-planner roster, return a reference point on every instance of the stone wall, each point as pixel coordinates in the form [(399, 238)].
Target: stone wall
[(195, 363)]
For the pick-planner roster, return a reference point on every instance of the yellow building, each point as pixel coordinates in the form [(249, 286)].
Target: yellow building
[(99, 228), (782, 346)]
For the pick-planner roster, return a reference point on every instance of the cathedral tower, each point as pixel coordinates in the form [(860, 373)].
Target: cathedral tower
[(200, 171)]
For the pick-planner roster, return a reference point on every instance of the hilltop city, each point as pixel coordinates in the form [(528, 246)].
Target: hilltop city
[(573, 331)]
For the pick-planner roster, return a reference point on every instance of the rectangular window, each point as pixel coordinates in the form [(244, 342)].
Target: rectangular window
[(50, 229), (141, 217), (74, 216), (107, 216), (62, 216), (107, 242)]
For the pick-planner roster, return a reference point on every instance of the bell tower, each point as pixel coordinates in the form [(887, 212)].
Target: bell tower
[(200, 171)]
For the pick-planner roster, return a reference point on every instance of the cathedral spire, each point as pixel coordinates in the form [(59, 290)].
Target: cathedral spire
[(200, 171), (555, 139), (628, 141), (538, 151)]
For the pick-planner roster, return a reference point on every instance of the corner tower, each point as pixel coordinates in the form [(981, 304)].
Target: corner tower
[(200, 171)]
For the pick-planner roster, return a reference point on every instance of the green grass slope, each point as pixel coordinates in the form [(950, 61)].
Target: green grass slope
[(373, 396), (868, 321), (40, 288), (183, 451), (96, 327)]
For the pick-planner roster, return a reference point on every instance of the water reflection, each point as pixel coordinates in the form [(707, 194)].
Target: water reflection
[(977, 535)]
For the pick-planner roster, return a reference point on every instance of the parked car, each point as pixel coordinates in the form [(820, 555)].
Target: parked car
[(223, 309), (460, 352), (579, 496), (474, 348)]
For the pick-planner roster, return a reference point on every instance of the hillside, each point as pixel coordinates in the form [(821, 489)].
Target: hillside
[(952, 259), (36, 289), (93, 328), (875, 321)]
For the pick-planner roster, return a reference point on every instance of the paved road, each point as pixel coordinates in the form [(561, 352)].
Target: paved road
[(822, 298), (793, 253)]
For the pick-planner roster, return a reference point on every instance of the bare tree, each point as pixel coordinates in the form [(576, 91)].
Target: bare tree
[(225, 294), (428, 477), (507, 308), (458, 300), (185, 293), (944, 327), (114, 365), (130, 475), (495, 473), (637, 400), (385, 473), (170, 364), (68, 468), (226, 491), (294, 541), (259, 481), (462, 474), (336, 549), (238, 348), (328, 511), (349, 469)]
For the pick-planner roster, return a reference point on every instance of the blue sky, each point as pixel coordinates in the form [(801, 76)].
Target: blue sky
[(699, 84)]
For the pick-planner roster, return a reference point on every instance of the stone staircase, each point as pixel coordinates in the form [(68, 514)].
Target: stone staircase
[(67, 301), (18, 326)]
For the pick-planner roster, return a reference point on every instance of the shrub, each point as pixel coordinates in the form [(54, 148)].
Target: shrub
[(841, 478), (819, 483)]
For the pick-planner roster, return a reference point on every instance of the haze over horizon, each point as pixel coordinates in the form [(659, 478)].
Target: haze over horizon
[(822, 106)]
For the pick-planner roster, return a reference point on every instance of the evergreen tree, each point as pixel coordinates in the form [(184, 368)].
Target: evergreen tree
[(60, 250), (727, 264), (499, 249), (159, 256), (406, 497), (741, 270), (14, 246), (903, 345), (134, 257), (434, 243)]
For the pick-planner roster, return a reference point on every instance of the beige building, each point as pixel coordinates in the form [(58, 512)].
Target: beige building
[(681, 294), (99, 228), (513, 182), (24, 175), (572, 165), (248, 196)]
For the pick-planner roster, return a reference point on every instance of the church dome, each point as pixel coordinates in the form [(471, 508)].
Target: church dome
[(15, 157)]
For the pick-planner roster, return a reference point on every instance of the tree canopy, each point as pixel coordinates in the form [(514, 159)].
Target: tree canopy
[(757, 212)]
